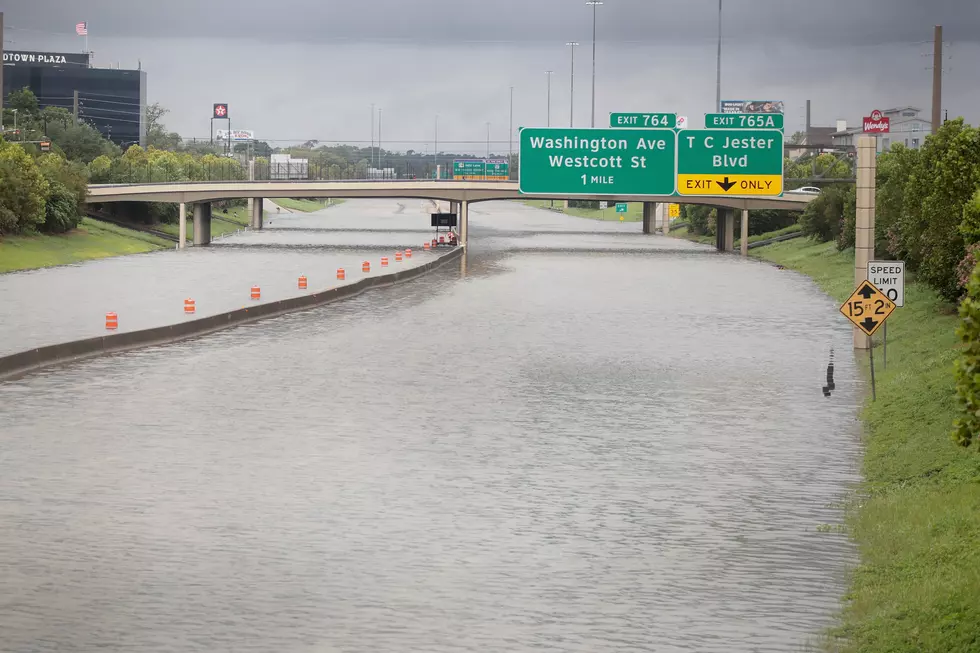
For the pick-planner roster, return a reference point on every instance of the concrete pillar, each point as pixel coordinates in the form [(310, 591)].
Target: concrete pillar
[(565, 205), (745, 232), (729, 243), (464, 211), (202, 224), (649, 217), (864, 233), (182, 234), (255, 222)]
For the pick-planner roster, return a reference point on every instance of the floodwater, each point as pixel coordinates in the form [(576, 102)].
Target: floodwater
[(578, 439)]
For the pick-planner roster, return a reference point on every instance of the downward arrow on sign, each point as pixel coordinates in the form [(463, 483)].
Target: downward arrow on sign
[(868, 324), (727, 185)]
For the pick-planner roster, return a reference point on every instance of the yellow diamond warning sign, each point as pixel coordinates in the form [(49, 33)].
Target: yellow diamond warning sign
[(867, 307), (729, 184)]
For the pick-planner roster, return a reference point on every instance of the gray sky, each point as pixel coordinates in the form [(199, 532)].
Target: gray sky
[(297, 69)]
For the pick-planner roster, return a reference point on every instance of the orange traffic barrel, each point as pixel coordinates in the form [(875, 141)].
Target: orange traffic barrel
[(384, 261), (366, 266), (398, 256), (442, 240), (434, 242), (341, 275), (189, 306), (408, 253), (111, 321), (301, 283), (426, 246), (256, 292)]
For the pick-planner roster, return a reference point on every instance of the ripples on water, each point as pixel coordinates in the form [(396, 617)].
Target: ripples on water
[(553, 451)]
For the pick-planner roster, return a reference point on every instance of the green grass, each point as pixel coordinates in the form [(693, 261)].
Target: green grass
[(91, 240), (238, 214), (682, 232), (306, 206), (634, 212), (916, 520)]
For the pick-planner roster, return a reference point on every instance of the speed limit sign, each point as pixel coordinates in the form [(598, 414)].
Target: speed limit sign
[(889, 277)]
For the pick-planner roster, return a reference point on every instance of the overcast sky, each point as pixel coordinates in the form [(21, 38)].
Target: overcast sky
[(294, 70)]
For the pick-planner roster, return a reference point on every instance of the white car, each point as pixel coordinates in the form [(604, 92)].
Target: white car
[(809, 190)]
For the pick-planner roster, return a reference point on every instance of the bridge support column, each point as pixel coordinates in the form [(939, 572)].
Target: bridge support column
[(649, 217), (464, 211), (202, 224), (864, 232), (255, 222), (666, 219), (729, 230), (182, 234), (745, 232)]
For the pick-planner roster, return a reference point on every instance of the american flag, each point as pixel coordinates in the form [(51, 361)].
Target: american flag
[(81, 29)]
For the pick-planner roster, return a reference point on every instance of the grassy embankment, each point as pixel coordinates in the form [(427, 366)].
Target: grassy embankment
[(682, 232), (91, 240), (237, 215), (916, 520), (634, 211), (306, 206)]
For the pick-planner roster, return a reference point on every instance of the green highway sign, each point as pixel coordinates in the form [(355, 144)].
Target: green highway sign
[(643, 120), (743, 120), (566, 161), (621, 208), (719, 162), (481, 169)]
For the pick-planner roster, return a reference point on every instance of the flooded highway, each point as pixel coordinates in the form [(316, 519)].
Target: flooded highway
[(579, 438)]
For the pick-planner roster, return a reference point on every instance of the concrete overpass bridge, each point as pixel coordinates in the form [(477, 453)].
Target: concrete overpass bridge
[(460, 194)]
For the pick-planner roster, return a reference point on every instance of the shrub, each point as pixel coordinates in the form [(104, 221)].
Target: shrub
[(61, 209), (823, 218), (967, 370)]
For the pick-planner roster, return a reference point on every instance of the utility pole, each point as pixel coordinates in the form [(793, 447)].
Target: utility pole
[(595, 4), (807, 126), (510, 137), (571, 93), (380, 115), (718, 82), (488, 145), (1, 72), (74, 109), (372, 135), (435, 147), (937, 79)]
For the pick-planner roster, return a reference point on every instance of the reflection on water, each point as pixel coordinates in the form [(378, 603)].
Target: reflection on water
[(575, 450)]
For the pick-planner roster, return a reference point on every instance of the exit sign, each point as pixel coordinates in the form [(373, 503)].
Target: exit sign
[(720, 162), (743, 120), (643, 120)]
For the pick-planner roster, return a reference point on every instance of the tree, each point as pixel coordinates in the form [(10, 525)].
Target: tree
[(894, 169), (156, 133), (81, 142), (823, 218), (967, 371), (797, 138), (944, 180), (60, 210), (72, 175), (22, 193), (25, 102)]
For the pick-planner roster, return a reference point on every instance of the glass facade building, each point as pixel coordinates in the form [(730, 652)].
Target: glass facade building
[(111, 100)]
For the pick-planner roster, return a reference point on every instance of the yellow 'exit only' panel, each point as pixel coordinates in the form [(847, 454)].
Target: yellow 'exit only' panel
[(721, 185)]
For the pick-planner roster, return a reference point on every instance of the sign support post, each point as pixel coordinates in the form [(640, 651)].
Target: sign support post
[(864, 235)]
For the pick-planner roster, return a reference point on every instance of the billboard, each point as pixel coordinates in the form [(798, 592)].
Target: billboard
[(751, 106), (237, 135)]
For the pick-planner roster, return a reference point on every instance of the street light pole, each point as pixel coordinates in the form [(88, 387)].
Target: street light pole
[(549, 73), (488, 141), (435, 147), (594, 3), (718, 81), (372, 135), (380, 115), (571, 93)]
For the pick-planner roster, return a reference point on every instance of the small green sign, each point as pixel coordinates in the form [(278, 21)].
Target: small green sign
[(621, 208), (743, 120), (564, 161), (643, 120), (721, 162)]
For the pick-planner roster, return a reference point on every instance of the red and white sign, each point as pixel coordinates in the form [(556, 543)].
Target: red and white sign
[(877, 123), (221, 111)]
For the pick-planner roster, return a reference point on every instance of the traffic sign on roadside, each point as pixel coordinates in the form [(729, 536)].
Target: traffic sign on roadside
[(673, 210), (743, 120), (643, 120), (598, 161), (720, 162), (867, 307), (603, 206), (889, 277), (621, 207)]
